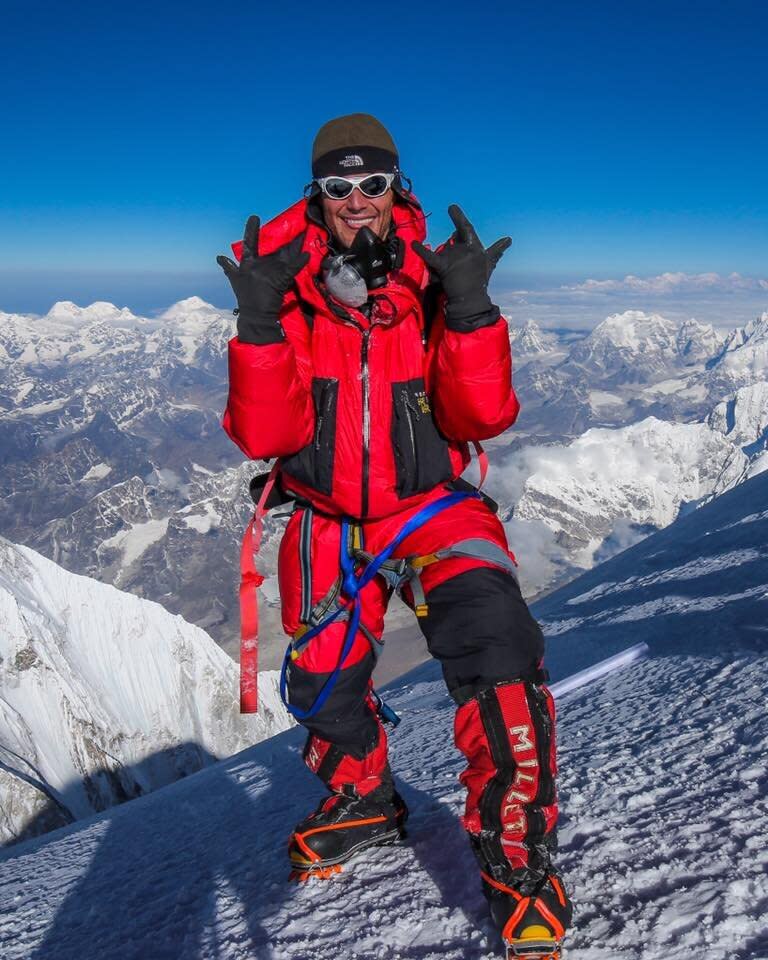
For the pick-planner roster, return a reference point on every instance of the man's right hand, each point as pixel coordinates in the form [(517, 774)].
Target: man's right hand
[(260, 283)]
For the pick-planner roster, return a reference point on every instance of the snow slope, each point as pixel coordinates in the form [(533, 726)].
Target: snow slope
[(105, 696), (662, 770)]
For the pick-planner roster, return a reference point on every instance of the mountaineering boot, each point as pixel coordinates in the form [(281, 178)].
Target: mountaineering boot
[(363, 810), (507, 733), (342, 825)]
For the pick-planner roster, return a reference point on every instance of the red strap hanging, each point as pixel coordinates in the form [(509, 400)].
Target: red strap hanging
[(482, 461), (250, 581)]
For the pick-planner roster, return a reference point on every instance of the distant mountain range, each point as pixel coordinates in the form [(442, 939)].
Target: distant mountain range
[(113, 462), (633, 364)]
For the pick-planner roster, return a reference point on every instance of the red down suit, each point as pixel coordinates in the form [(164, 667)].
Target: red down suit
[(353, 404), (371, 414)]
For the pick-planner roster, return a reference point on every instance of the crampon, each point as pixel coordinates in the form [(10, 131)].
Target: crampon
[(319, 873), (532, 926), (534, 943)]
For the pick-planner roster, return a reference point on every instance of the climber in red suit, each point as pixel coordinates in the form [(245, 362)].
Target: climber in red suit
[(367, 363)]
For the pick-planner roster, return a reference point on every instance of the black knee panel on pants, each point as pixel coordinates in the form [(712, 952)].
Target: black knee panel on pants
[(480, 629), (345, 718)]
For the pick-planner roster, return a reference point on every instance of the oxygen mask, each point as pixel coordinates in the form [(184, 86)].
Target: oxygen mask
[(349, 276)]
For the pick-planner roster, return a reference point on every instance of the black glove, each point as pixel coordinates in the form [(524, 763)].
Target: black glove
[(260, 283), (464, 268)]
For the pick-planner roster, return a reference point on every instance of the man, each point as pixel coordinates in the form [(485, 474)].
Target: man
[(367, 363)]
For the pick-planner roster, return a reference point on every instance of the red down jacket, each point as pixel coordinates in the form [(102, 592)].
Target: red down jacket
[(366, 415)]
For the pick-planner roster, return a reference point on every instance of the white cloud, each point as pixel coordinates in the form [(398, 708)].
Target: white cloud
[(671, 283), (725, 301), (542, 560)]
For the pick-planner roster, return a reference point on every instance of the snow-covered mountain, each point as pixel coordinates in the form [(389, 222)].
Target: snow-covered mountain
[(743, 418), (744, 357), (152, 378), (662, 770), (570, 506), (109, 421), (75, 334), (105, 696), (178, 543), (530, 340), (644, 347)]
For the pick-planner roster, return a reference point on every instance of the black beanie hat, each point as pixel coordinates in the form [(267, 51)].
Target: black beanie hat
[(356, 143)]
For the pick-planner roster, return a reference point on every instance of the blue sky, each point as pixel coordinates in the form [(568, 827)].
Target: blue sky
[(606, 138)]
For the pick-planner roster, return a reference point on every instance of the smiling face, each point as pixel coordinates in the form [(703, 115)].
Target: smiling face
[(345, 217)]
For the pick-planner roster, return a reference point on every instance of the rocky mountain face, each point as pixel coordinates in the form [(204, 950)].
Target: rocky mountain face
[(113, 462), (178, 546), (109, 424), (105, 697), (529, 340), (636, 364)]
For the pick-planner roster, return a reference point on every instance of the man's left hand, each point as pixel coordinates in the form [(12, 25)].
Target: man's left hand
[(464, 267)]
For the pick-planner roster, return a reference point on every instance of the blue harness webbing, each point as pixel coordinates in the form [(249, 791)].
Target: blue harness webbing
[(351, 585)]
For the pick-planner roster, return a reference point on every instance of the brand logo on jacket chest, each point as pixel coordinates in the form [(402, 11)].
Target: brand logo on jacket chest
[(422, 401)]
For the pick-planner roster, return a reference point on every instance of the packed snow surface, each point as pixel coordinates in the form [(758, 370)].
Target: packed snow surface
[(662, 764)]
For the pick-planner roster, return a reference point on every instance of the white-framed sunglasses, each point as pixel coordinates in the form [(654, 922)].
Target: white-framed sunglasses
[(370, 185)]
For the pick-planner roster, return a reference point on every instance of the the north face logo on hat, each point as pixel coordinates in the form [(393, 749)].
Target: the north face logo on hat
[(352, 160)]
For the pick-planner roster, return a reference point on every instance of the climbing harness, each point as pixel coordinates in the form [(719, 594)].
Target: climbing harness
[(348, 598), (342, 601)]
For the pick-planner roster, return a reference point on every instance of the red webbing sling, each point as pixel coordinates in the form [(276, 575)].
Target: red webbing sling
[(482, 462), (250, 581)]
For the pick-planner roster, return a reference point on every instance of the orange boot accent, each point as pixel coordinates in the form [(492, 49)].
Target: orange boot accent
[(311, 856), (314, 873)]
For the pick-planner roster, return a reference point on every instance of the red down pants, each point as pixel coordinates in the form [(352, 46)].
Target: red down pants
[(490, 648)]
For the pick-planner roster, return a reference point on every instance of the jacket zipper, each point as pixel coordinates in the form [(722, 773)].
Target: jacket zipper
[(323, 412), (409, 411), (364, 379)]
